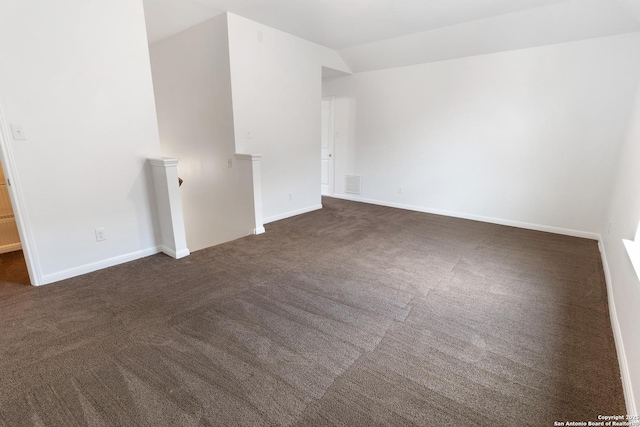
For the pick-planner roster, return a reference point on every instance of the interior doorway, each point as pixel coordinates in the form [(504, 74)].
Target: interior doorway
[(13, 268), (18, 265), (326, 148)]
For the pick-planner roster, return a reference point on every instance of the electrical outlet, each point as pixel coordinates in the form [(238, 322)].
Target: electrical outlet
[(290, 197), (229, 163), (609, 228), (400, 190), (100, 235)]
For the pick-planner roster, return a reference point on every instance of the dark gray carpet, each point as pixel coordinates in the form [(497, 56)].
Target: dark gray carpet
[(355, 315)]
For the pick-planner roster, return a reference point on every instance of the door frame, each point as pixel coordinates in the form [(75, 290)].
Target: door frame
[(331, 171), (17, 203)]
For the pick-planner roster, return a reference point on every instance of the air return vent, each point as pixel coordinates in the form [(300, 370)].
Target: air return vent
[(353, 184)]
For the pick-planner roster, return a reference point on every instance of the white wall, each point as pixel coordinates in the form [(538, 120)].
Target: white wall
[(165, 18), (276, 87), (521, 137), (192, 85), (77, 75), (624, 216)]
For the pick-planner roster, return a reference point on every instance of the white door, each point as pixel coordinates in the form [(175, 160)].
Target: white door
[(326, 150)]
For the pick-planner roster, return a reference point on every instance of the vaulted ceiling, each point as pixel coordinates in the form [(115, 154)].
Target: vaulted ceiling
[(337, 23), (373, 34)]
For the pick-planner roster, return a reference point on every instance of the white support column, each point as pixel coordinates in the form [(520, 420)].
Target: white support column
[(257, 188), (167, 189)]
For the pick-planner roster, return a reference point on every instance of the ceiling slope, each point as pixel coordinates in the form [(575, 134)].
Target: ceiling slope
[(333, 23), (343, 23), (377, 34), (563, 22)]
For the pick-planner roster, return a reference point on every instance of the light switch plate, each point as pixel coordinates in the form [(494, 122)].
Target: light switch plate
[(19, 132)]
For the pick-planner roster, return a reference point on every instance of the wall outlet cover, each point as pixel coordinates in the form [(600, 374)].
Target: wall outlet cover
[(18, 131)]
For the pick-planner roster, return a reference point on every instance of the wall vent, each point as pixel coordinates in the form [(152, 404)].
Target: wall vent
[(353, 184)]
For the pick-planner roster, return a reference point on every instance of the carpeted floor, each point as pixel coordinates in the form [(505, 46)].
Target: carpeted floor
[(354, 315)]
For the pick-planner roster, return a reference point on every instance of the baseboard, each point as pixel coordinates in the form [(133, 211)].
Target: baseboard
[(258, 230), (499, 221), (10, 248), (291, 213), (173, 254), (98, 265), (617, 336)]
